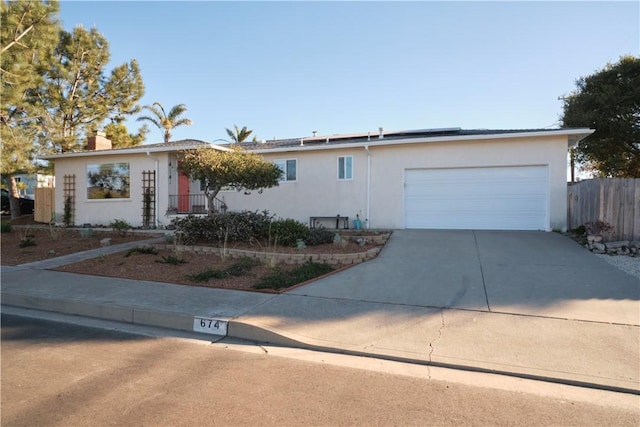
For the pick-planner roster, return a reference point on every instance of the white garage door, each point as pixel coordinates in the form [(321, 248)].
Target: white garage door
[(496, 198)]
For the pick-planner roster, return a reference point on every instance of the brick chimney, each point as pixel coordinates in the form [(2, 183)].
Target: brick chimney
[(98, 141)]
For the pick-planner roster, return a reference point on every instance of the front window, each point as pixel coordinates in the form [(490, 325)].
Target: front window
[(108, 181), (345, 168), (289, 169)]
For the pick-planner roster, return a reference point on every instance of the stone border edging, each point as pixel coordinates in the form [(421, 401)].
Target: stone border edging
[(291, 258), (278, 257)]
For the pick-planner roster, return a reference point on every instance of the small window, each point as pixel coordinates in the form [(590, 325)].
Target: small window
[(289, 169), (345, 167)]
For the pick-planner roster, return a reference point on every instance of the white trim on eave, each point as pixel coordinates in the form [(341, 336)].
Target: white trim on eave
[(136, 150), (574, 136)]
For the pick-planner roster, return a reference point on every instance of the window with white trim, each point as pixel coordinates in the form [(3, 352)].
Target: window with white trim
[(345, 168), (289, 168)]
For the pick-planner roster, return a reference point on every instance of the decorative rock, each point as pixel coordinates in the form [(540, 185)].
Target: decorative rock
[(618, 245), (600, 247), (593, 238), (105, 242)]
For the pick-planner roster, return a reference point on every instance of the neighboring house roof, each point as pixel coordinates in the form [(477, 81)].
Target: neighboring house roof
[(183, 144), (379, 138)]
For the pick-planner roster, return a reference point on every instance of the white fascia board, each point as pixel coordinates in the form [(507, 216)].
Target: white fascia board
[(137, 150), (574, 136)]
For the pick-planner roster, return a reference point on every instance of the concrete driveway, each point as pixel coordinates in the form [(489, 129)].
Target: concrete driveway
[(518, 272)]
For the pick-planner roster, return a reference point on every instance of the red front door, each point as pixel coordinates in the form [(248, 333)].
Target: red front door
[(183, 192)]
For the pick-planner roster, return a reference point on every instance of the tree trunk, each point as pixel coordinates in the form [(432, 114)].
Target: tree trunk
[(211, 197), (14, 197)]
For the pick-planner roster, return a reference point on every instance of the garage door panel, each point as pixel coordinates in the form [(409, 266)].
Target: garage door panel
[(508, 198)]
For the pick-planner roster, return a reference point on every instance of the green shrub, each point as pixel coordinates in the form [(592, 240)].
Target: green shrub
[(5, 227), (172, 259), (230, 226), (121, 226), (286, 232), (239, 268), (319, 236), (279, 278), (26, 242), (207, 274), (144, 250), (67, 216), (85, 233), (242, 266)]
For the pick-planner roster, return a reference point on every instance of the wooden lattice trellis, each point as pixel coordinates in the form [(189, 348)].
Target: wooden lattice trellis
[(148, 199), (69, 192)]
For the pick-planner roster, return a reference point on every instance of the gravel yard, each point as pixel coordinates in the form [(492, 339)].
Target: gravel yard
[(628, 264)]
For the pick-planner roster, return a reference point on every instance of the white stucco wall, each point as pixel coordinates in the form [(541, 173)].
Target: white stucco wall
[(318, 191), (103, 211), (389, 164)]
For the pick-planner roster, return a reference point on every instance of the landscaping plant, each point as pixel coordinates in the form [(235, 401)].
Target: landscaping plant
[(144, 250), (121, 226), (280, 278), (5, 227), (241, 267)]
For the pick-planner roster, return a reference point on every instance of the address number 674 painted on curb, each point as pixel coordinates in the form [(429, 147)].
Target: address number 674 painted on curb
[(210, 326)]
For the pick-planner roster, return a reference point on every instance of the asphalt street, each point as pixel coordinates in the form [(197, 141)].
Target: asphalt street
[(60, 374)]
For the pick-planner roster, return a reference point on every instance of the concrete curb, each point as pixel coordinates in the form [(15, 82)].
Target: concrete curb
[(238, 329)]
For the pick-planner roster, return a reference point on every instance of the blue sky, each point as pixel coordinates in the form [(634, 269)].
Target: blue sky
[(285, 69)]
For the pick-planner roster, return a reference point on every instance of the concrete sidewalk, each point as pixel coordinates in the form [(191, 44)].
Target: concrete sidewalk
[(484, 310)]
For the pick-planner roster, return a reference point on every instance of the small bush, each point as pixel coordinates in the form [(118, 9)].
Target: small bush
[(286, 232), (242, 266), (26, 242), (598, 227), (230, 226), (67, 216), (319, 236), (121, 226), (86, 233), (5, 227), (172, 259), (580, 231), (144, 250), (207, 274), (239, 268), (279, 278)]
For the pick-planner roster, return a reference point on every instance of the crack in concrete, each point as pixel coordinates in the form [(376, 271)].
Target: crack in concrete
[(431, 348)]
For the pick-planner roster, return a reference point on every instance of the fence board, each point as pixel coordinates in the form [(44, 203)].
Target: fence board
[(613, 200), (44, 204)]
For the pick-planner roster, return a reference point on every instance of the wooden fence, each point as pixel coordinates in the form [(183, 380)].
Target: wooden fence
[(612, 200), (44, 204)]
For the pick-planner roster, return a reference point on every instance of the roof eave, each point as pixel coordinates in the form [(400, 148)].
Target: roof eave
[(574, 136), (137, 150)]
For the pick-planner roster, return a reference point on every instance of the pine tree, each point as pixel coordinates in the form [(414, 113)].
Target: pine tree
[(28, 36), (77, 95)]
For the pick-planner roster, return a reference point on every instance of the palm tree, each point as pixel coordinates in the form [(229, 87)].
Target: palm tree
[(164, 121), (240, 135)]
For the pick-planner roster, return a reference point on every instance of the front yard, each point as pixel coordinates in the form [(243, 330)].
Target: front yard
[(240, 266)]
